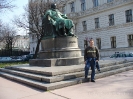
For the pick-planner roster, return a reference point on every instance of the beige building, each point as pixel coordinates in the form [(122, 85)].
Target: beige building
[(22, 42), (108, 22), (19, 42)]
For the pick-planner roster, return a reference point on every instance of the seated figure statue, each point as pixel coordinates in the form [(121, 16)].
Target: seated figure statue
[(62, 25)]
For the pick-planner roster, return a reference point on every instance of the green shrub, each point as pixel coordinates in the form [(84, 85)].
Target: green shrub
[(3, 65)]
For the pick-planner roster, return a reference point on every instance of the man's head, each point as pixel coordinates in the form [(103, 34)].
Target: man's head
[(53, 6), (91, 41)]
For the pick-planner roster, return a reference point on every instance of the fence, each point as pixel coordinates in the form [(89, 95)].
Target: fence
[(5, 53)]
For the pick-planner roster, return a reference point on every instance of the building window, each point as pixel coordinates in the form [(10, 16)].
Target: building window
[(85, 43), (95, 3), (111, 19), (97, 23), (33, 38), (113, 42), (84, 25), (33, 49), (83, 7), (72, 7), (128, 15), (98, 42), (130, 40), (63, 9), (75, 27), (109, 1)]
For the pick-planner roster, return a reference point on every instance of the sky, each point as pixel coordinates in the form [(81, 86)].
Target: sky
[(7, 16)]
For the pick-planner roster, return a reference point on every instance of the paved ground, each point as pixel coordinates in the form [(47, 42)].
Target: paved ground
[(118, 86)]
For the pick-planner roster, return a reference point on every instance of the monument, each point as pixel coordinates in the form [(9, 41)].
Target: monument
[(59, 44), (59, 62), (56, 24)]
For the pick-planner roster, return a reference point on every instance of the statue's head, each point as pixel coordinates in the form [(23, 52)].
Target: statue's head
[(53, 6)]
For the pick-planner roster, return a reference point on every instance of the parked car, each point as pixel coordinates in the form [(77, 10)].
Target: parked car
[(128, 56), (27, 57), (16, 58), (121, 55), (5, 59)]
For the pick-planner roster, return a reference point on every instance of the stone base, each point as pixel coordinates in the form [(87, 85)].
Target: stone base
[(59, 43), (56, 62), (63, 53)]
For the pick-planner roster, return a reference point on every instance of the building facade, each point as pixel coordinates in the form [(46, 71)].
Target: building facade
[(21, 42), (108, 22), (33, 43)]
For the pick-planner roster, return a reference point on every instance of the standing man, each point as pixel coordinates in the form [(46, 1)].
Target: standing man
[(91, 56)]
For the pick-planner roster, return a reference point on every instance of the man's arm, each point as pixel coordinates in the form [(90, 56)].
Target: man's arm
[(85, 54), (97, 53)]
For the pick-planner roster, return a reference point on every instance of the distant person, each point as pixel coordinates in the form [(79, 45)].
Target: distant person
[(91, 56)]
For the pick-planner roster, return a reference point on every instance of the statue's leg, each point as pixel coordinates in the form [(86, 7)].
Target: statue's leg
[(70, 32), (64, 30), (61, 26), (69, 26)]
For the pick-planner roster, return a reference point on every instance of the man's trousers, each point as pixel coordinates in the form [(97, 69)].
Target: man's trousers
[(90, 63)]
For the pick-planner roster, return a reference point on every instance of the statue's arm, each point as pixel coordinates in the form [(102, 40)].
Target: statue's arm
[(49, 17), (64, 16), (48, 13)]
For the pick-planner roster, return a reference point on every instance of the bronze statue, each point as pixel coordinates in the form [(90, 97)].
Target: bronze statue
[(55, 21)]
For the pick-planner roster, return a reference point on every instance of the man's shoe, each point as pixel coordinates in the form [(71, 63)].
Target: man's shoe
[(85, 77), (99, 71), (92, 80)]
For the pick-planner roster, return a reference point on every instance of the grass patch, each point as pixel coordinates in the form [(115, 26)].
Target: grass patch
[(3, 65)]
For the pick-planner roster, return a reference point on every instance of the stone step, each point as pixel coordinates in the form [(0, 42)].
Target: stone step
[(56, 85), (56, 61), (53, 71), (110, 62), (44, 78), (65, 62), (113, 67), (48, 71), (112, 72), (57, 78)]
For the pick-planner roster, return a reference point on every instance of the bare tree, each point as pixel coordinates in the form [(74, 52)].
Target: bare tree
[(32, 19), (7, 37), (0, 23), (5, 4)]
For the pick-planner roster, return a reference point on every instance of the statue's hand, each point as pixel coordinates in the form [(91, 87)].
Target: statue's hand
[(49, 17), (65, 16)]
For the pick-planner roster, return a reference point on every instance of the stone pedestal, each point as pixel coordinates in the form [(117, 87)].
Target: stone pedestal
[(60, 51)]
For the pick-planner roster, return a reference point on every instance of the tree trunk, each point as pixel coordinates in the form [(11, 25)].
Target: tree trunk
[(37, 48)]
